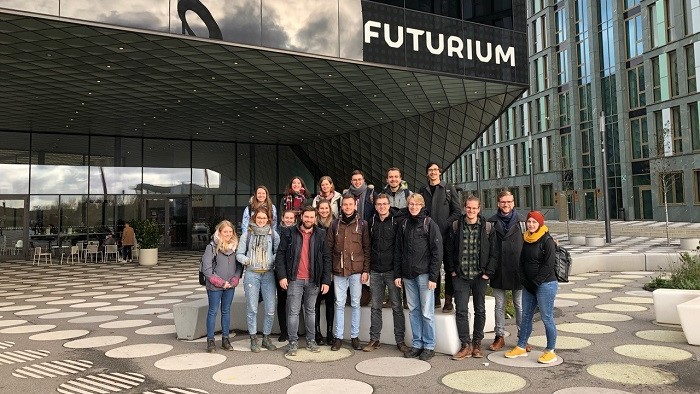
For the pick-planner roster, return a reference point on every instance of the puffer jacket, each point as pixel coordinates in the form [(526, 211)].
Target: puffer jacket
[(417, 251), (383, 236), (350, 246), (244, 252), (219, 267)]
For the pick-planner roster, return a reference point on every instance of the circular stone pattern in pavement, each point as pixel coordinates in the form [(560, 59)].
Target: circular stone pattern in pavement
[(523, 362), (588, 390), (575, 296), (147, 311), (602, 316), (116, 308), (27, 329), (62, 315), (644, 273), (590, 274), (16, 308), (585, 328), (621, 307), (141, 350), (244, 345), (91, 304), (639, 293), (125, 323), (591, 290), (10, 323), (92, 342), (577, 278), (183, 362), (564, 303), (157, 330), (616, 280), (627, 276), (606, 285), (631, 374), (480, 381), (34, 312), (662, 336), (59, 335), (563, 342), (634, 300), (93, 319), (392, 366), (324, 356), (252, 374), (323, 386), (653, 352)]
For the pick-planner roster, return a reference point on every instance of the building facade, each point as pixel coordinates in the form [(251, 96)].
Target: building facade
[(627, 67)]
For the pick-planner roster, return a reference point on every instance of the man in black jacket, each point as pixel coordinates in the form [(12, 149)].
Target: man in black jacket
[(303, 264), (442, 205), (383, 227), (468, 259)]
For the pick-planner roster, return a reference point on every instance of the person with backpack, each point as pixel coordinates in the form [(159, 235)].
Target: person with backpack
[(328, 192), (397, 191), (364, 194), (537, 274), (261, 198), (417, 260), (467, 256), (348, 241), (256, 251), (325, 219), (222, 273), (442, 206)]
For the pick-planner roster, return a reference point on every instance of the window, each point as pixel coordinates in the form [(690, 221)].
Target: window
[(515, 191), (528, 197), (671, 185), (694, 116), (690, 65), (677, 130), (640, 138), (696, 186), (659, 23), (634, 36), (635, 83), (659, 68), (560, 25), (542, 113), (486, 198), (540, 34), (692, 16), (673, 73), (565, 146), (541, 77), (564, 109), (547, 195), (563, 76)]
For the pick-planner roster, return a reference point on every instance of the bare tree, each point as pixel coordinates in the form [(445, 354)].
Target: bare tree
[(661, 167)]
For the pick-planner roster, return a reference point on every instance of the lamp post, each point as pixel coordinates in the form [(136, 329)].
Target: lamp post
[(532, 173), (604, 162)]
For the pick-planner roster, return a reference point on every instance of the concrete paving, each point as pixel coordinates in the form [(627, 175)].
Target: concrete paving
[(102, 328)]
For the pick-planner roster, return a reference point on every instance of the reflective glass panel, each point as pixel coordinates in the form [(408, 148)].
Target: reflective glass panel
[(59, 164), (40, 7), (14, 163), (231, 20), (149, 15), (115, 165), (350, 29), (266, 166), (214, 167), (243, 169), (166, 167), (309, 26), (43, 220)]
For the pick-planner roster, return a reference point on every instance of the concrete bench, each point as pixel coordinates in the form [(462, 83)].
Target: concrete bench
[(666, 300), (690, 243), (577, 239), (595, 240), (689, 315)]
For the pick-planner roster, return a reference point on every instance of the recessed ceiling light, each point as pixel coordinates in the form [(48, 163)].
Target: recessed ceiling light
[(408, 84), (98, 81), (89, 93), (108, 66), (213, 77), (194, 90), (120, 48), (330, 75), (235, 63)]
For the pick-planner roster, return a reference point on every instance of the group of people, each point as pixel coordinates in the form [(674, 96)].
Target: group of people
[(328, 247)]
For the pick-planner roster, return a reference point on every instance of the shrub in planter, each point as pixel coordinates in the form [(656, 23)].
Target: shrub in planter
[(684, 275), (147, 233)]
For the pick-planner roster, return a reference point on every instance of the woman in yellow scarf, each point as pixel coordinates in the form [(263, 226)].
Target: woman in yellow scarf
[(540, 286)]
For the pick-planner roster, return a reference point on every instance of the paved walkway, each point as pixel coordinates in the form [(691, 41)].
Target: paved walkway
[(102, 328)]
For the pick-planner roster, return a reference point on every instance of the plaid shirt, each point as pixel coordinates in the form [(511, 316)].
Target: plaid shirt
[(471, 245)]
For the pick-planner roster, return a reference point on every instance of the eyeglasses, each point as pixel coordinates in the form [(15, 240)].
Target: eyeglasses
[(506, 202), (415, 205)]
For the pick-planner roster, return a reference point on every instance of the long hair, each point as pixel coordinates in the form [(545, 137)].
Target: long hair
[(303, 186), (260, 210), (325, 223), (326, 178), (220, 247), (267, 204)]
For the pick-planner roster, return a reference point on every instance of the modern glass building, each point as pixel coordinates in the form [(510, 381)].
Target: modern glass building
[(176, 110), (633, 61)]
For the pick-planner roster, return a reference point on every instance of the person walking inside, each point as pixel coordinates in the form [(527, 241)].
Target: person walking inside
[(537, 264), (256, 251), (468, 259), (222, 273), (417, 260), (303, 264), (325, 218), (261, 198)]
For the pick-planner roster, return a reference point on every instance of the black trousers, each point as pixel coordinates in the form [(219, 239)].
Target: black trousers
[(449, 289), (329, 298)]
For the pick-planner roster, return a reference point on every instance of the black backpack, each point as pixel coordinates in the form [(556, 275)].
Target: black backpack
[(202, 278), (562, 262)]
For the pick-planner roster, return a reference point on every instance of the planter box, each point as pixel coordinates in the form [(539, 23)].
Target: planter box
[(666, 300), (577, 239), (690, 243), (148, 257), (689, 313)]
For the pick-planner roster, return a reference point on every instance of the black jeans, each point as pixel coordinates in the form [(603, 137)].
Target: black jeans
[(462, 290), (281, 307), (449, 288), (126, 252), (330, 310)]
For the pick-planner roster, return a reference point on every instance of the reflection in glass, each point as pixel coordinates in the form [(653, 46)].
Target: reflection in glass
[(14, 156), (214, 167), (231, 20), (59, 179), (266, 166), (43, 220), (149, 15), (11, 226), (49, 7), (309, 26), (350, 29), (243, 169), (166, 167), (290, 166)]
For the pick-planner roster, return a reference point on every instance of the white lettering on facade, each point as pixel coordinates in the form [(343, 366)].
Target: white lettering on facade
[(486, 52)]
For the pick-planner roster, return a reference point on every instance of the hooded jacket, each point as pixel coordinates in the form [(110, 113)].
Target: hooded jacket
[(289, 254), (383, 242), (349, 246), (224, 269), (418, 252)]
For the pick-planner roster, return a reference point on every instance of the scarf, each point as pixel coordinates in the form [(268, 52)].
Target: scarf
[(360, 194), (534, 237), (508, 220), (348, 218), (258, 246), (294, 200)]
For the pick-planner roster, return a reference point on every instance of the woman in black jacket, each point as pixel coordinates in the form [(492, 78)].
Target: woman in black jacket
[(325, 217), (540, 285)]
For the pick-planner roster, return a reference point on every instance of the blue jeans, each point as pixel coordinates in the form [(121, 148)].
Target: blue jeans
[(500, 312), (341, 284), (296, 291), (216, 297), (544, 299), (421, 311), (254, 282)]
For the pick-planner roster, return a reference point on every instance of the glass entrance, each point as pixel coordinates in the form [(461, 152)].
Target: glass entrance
[(589, 204), (14, 223), (172, 216), (643, 205)]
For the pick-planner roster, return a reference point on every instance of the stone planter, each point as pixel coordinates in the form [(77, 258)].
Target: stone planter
[(148, 256), (689, 313), (666, 300), (689, 243), (577, 239)]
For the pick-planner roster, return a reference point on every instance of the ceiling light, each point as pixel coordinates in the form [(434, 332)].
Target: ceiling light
[(330, 75), (108, 66), (121, 48), (194, 90), (235, 63), (98, 81), (408, 84), (213, 77)]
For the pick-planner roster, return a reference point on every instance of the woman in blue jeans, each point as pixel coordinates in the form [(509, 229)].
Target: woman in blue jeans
[(222, 271), (540, 285), (257, 252)]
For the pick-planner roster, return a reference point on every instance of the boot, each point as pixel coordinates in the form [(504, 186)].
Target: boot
[(226, 344), (329, 336), (254, 345), (476, 349), (498, 343), (464, 351), (267, 343), (211, 347), (355, 342), (319, 337), (448, 304)]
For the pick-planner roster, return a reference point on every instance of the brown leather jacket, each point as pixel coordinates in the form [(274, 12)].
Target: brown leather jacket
[(350, 246)]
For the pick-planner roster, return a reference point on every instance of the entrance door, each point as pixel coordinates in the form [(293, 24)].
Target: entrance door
[(14, 228), (589, 204), (644, 208), (172, 216)]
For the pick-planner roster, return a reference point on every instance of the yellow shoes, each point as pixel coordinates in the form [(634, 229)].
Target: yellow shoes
[(547, 357), (516, 352)]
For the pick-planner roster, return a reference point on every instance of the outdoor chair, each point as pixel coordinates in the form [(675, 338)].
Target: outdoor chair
[(111, 250), (74, 251), (92, 250), (38, 254)]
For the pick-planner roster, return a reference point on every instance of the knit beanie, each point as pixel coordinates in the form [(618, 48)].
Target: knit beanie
[(537, 215)]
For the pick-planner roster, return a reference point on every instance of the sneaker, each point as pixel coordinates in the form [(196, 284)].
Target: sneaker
[(547, 357), (267, 343), (402, 347), (211, 347), (254, 345), (449, 307), (465, 351), (476, 349), (312, 346), (319, 337), (516, 352), (498, 343), (292, 350), (283, 337), (337, 344), (226, 344), (330, 339), (426, 355), (413, 353), (355, 342), (371, 346)]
